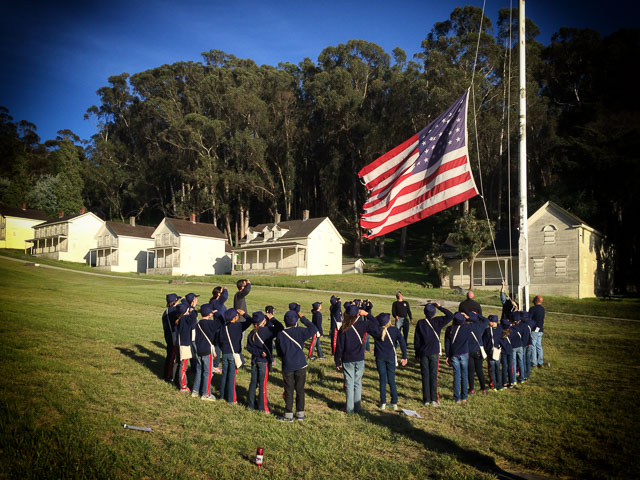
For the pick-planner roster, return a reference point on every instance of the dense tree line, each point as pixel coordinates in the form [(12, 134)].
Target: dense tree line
[(236, 143)]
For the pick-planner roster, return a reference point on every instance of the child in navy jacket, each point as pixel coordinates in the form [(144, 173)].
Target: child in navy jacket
[(387, 359), (335, 312), (491, 340), (259, 344), (290, 344), (206, 337), (426, 341), (527, 346), (506, 354), (186, 323), (476, 361), (169, 327), (219, 295), (349, 354), (230, 341), (316, 319), (456, 347)]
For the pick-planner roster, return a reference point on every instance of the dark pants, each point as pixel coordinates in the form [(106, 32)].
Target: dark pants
[(387, 373), (259, 377), (429, 370), (476, 364), (169, 360), (294, 381), (228, 380)]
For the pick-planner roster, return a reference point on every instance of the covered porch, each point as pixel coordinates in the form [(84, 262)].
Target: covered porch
[(164, 260), (270, 260), (486, 272), (103, 257), (46, 246)]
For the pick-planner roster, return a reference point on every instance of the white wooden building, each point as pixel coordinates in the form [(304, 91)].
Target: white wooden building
[(66, 238), (122, 247), (311, 246), (566, 258), (187, 247)]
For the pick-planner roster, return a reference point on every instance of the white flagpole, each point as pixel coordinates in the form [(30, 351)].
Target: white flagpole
[(523, 242)]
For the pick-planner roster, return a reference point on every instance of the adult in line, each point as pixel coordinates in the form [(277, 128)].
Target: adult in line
[(349, 355), (536, 316), (240, 304), (469, 305), (401, 311)]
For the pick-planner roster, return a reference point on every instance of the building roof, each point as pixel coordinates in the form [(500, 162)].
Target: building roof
[(127, 230), (564, 215), (185, 227), (62, 219), (20, 213), (296, 228)]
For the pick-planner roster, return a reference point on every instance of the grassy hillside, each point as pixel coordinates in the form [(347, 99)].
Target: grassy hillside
[(81, 355)]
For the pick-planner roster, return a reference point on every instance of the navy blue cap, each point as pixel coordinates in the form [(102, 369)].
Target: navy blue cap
[(257, 317), (290, 318), (230, 314), (206, 309), (269, 309), (504, 323), (429, 310), (294, 306), (315, 305), (493, 318), (172, 297), (383, 319), (181, 308), (458, 318), (334, 299), (351, 310), (516, 317), (190, 296)]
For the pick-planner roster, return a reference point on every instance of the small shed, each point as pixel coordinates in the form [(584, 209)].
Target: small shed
[(353, 265)]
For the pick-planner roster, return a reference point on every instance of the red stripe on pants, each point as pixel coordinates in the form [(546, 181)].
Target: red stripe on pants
[(333, 342), (235, 373), (183, 374), (264, 388), (210, 375), (313, 342)]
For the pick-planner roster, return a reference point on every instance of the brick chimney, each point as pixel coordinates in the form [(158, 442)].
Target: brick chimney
[(82, 211), (305, 215), (132, 221), (61, 214), (277, 218), (193, 218), (24, 206)]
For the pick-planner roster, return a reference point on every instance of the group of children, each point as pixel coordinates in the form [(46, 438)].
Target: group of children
[(215, 344)]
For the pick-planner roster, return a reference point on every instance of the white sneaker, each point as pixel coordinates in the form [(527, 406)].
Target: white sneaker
[(383, 406)]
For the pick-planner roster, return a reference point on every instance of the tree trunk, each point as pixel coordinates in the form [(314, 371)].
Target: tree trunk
[(403, 242), (471, 262), (372, 247), (381, 245)]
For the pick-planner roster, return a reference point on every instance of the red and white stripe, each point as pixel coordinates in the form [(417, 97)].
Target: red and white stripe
[(399, 197)]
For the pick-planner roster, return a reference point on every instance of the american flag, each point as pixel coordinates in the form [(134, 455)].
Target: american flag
[(424, 175)]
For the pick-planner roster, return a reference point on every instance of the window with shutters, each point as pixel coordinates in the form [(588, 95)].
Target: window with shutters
[(3, 228), (538, 267), (549, 233), (561, 266)]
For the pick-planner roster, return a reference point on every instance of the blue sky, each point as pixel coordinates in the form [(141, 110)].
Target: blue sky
[(56, 54)]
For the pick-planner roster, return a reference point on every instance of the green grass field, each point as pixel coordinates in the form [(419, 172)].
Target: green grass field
[(81, 355)]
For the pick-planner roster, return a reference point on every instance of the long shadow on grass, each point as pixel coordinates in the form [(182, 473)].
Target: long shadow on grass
[(400, 424), (145, 357)]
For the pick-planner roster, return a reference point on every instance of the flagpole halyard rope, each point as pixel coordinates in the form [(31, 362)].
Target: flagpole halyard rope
[(475, 126)]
